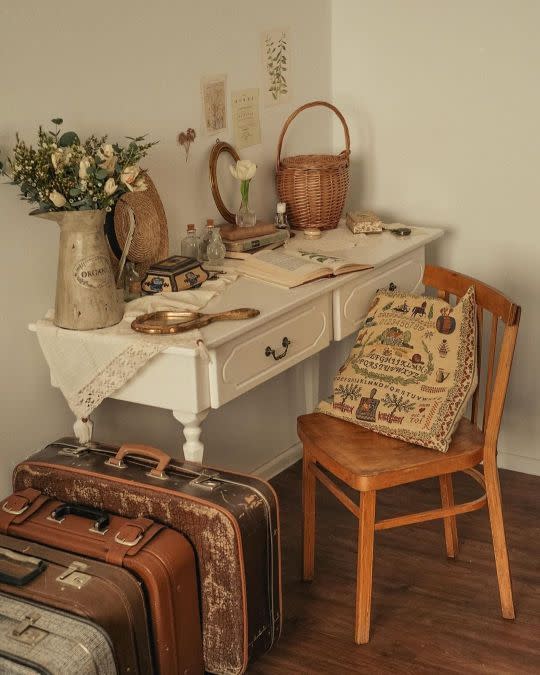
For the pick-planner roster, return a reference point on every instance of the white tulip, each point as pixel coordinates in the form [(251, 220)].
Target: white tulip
[(110, 187), (128, 176), (84, 165), (244, 170), (57, 199)]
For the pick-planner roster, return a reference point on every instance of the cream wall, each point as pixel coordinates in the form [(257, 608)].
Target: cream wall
[(442, 101), (129, 68), (444, 106)]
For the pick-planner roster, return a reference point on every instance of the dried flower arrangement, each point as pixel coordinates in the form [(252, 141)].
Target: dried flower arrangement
[(63, 174), (185, 139)]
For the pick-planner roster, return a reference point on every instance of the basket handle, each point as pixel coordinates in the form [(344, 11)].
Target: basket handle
[(312, 104)]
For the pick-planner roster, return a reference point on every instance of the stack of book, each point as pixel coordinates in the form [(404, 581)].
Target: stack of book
[(240, 242)]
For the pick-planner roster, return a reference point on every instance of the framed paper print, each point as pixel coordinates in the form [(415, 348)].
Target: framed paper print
[(214, 101), (246, 122), (276, 65)]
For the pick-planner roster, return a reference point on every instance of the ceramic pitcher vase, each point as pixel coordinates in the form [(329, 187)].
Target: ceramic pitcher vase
[(86, 294)]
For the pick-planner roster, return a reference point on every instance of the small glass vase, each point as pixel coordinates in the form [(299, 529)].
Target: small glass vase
[(245, 217)]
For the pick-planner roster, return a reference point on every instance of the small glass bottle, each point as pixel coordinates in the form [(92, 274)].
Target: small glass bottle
[(206, 238), (281, 221), (215, 252), (132, 282), (190, 246)]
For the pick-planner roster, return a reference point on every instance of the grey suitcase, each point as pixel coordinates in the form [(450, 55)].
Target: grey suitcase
[(36, 639)]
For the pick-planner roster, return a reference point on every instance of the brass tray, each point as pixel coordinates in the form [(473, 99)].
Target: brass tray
[(168, 323)]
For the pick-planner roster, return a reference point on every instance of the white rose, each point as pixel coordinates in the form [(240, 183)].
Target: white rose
[(105, 151), (244, 170), (84, 165), (110, 187), (57, 199), (109, 165), (139, 185), (128, 176), (57, 159)]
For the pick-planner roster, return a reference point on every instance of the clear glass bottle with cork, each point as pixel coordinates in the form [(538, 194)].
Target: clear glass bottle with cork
[(132, 282), (206, 238), (215, 252), (190, 246), (281, 221)]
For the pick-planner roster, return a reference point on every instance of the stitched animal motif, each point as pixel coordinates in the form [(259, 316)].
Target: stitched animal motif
[(420, 310), (404, 308)]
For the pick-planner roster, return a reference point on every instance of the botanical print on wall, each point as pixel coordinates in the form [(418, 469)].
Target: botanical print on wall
[(214, 102), (276, 64)]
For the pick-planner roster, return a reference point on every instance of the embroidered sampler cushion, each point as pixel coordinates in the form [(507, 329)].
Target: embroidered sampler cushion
[(412, 369)]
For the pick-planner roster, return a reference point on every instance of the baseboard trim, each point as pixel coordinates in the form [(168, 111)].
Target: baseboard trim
[(509, 460), (278, 464)]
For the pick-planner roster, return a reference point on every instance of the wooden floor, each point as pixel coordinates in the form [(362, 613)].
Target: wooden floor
[(429, 615)]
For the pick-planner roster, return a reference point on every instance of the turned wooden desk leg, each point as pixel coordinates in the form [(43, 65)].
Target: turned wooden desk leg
[(193, 448)]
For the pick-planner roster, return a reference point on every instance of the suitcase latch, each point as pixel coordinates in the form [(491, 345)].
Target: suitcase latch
[(74, 575), (73, 451), (209, 480), (26, 632)]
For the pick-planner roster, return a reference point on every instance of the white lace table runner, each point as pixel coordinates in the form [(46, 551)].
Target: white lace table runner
[(88, 366)]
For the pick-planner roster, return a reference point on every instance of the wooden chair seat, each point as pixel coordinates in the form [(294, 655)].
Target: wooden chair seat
[(366, 460)]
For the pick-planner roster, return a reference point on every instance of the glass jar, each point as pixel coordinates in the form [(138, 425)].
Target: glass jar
[(245, 217), (190, 246)]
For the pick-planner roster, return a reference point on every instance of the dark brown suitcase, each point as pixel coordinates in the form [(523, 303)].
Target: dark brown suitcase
[(161, 558), (231, 519), (108, 596)]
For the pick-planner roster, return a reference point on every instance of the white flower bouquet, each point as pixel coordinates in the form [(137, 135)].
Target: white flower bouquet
[(63, 174)]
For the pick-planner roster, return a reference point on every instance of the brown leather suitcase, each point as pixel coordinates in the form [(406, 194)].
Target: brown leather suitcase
[(161, 558), (231, 519), (108, 596)]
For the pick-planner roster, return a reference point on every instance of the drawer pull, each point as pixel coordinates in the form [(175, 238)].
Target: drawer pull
[(272, 352)]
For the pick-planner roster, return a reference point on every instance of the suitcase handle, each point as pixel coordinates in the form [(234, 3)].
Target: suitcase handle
[(100, 518), (146, 451), (17, 569)]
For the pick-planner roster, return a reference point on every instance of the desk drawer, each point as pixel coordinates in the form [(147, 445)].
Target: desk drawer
[(266, 351), (351, 300)]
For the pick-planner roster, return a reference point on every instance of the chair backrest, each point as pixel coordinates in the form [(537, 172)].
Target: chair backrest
[(494, 369)]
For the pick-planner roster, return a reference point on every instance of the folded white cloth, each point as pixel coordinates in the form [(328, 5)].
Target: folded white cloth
[(88, 366)]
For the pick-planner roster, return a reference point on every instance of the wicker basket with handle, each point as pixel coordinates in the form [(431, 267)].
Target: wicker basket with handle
[(314, 187)]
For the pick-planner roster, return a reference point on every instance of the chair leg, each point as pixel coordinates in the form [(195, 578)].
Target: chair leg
[(493, 490), (450, 524), (364, 566), (308, 508)]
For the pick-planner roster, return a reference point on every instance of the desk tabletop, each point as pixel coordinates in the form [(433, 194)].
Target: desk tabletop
[(272, 300)]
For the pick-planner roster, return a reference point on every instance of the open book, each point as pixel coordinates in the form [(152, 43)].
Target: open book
[(290, 267)]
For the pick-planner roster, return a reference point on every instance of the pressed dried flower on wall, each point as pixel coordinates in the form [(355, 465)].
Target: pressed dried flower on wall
[(185, 139)]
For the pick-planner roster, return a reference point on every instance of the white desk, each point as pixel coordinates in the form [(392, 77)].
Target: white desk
[(310, 317)]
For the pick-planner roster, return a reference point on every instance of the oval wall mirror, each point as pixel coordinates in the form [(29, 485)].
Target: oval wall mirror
[(217, 150)]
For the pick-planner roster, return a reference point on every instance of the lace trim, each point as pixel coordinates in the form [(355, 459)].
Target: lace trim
[(112, 377)]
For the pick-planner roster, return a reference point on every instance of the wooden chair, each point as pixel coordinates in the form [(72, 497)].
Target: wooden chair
[(368, 462)]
